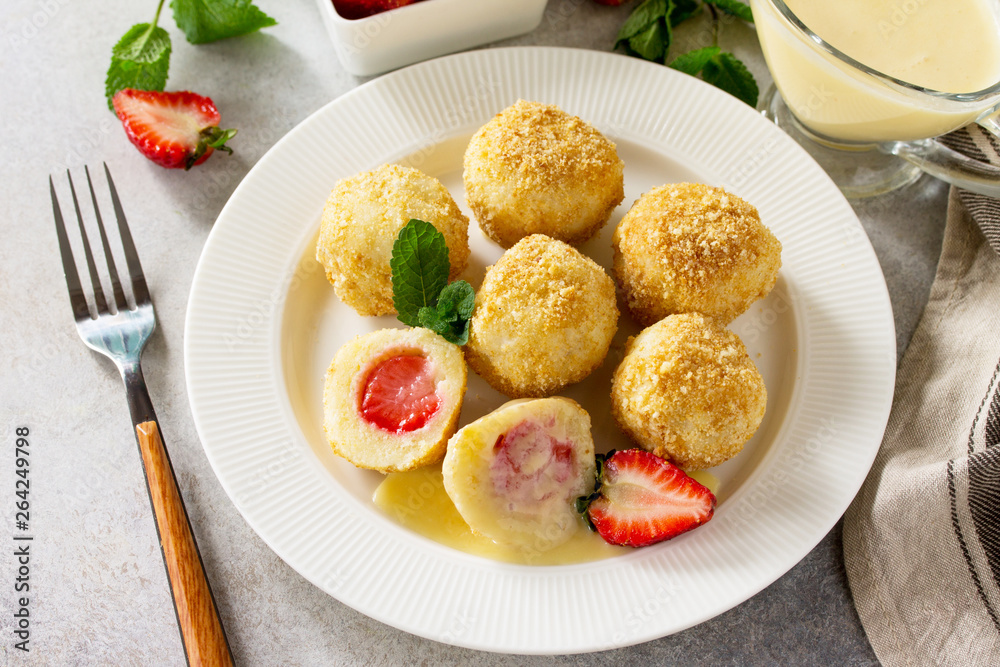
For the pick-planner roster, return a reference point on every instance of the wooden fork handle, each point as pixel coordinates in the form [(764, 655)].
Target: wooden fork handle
[(204, 638)]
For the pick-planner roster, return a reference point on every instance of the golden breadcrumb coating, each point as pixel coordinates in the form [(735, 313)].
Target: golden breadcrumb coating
[(689, 247), (365, 444), (535, 169), (361, 220), (687, 390), (544, 318)]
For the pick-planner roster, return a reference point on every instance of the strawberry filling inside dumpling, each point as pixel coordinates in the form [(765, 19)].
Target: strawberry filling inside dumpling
[(530, 465), (400, 394)]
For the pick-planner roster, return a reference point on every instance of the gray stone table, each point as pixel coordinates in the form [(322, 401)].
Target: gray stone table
[(98, 589)]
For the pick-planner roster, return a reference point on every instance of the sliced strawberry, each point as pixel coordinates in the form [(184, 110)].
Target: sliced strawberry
[(642, 499), (400, 394), (173, 129), (359, 9)]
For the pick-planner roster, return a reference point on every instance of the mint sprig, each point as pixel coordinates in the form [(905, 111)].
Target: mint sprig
[(141, 58), (648, 34), (421, 293), (206, 21)]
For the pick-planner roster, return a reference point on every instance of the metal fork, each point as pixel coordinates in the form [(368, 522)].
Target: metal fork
[(120, 334)]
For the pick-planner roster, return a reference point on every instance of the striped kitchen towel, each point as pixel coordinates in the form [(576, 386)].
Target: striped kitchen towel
[(922, 538)]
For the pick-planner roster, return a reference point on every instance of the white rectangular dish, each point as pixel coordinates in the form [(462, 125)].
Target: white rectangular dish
[(425, 30)]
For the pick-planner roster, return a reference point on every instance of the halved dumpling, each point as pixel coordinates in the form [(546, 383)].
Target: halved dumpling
[(515, 474), (392, 398)]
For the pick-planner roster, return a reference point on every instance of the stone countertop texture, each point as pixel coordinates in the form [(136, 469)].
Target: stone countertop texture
[(99, 593)]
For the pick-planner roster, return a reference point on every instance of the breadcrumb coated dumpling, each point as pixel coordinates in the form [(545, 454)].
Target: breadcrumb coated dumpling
[(689, 247), (544, 318), (535, 169), (687, 390), (392, 398), (363, 216)]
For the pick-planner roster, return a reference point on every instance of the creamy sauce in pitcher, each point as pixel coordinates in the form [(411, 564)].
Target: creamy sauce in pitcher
[(951, 46), (946, 45)]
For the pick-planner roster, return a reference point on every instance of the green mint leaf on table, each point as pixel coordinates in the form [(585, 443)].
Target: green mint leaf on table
[(652, 43), (693, 62), (641, 19), (683, 10), (205, 21), (419, 269), (648, 34), (139, 60), (726, 71), (740, 10)]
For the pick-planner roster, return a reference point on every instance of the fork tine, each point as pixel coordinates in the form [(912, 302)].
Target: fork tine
[(76, 297), (139, 290), (99, 301), (116, 286)]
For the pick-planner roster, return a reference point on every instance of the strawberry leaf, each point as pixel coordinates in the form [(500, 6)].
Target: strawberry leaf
[(139, 60), (726, 71), (211, 20)]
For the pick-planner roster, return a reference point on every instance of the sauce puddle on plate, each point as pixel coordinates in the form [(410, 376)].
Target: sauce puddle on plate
[(417, 500)]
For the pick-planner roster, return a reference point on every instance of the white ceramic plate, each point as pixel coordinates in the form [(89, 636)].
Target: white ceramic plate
[(263, 324)]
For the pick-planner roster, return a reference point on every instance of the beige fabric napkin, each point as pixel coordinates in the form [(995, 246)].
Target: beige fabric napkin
[(922, 538)]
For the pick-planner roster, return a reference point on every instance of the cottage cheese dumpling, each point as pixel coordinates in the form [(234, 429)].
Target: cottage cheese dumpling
[(688, 391), (535, 169), (688, 247), (544, 318), (361, 219), (515, 474), (392, 398)]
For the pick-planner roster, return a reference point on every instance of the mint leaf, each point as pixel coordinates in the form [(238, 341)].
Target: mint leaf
[(693, 62), (641, 18), (726, 71), (458, 298), (454, 331), (457, 301), (454, 310), (139, 60), (420, 269), (211, 20), (420, 289), (740, 10), (683, 10), (430, 318), (652, 43)]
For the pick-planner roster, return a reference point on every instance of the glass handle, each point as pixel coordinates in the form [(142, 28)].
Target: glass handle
[(949, 165)]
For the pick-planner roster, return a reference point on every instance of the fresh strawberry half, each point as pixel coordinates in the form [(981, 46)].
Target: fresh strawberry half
[(400, 394), (641, 499), (359, 9), (173, 129)]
